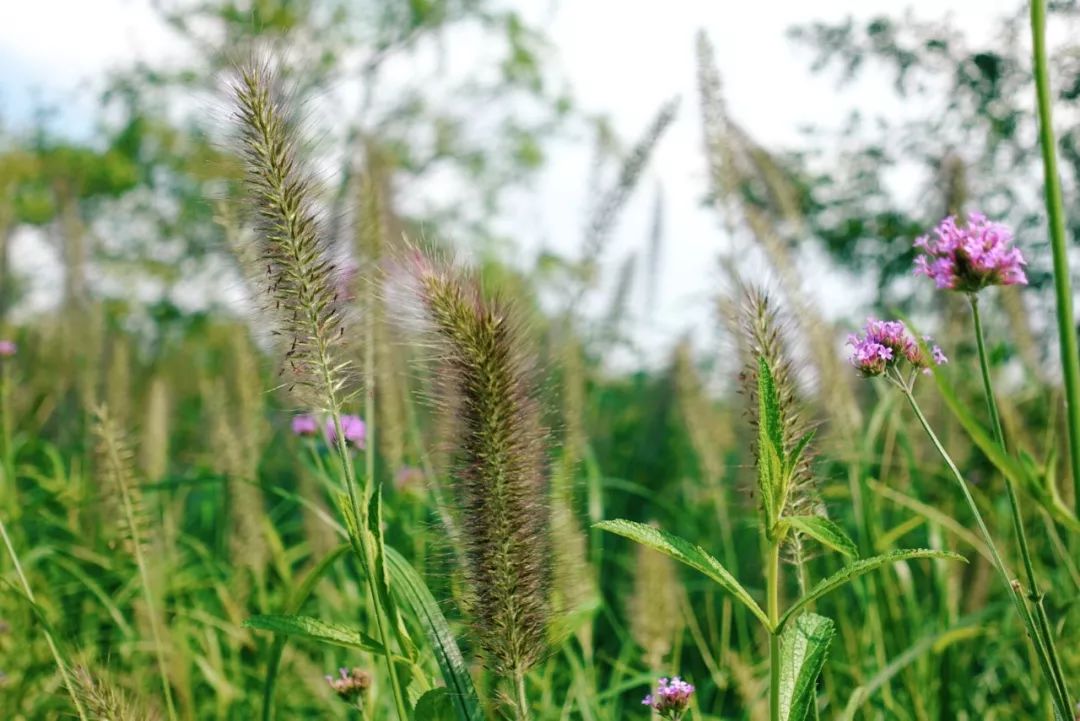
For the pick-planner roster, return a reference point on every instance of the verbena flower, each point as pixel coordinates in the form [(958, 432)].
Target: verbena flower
[(886, 344), (970, 257), (670, 699), (8, 348), (409, 479), (350, 684), (353, 427), (305, 425)]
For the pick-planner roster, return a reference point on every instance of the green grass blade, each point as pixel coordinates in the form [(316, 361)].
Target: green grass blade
[(414, 595), (295, 603), (685, 552), (316, 629), (826, 532), (858, 568)]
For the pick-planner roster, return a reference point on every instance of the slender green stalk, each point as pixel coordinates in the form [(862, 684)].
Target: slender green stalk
[(116, 461), (7, 449), (772, 588), (521, 700), (60, 665), (1061, 702), (368, 558), (1070, 354), (1035, 595)]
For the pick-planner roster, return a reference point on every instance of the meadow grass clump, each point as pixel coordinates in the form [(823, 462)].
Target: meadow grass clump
[(301, 281), (799, 639)]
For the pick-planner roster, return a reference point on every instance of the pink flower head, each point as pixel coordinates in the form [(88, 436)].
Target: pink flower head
[(305, 425), (352, 427), (971, 257), (350, 685), (7, 348), (886, 343), (670, 699)]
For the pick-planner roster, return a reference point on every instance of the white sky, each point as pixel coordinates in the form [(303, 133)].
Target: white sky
[(622, 58)]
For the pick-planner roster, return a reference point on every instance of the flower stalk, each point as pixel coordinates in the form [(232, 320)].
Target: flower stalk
[(1070, 353), (1061, 702), (1034, 595)]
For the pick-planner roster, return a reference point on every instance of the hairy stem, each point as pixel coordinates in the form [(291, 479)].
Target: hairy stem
[(521, 701), (1060, 701), (1070, 355), (1035, 595), (772, 588)]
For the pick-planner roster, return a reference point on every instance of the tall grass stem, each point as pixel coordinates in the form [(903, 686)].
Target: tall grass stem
[(1070, 354), (1061, 702), (772, 588), (1035, 595)]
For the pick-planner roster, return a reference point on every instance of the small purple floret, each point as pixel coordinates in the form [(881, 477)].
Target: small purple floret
[(970, 257), (886, 343), (8, 348), (352, 427), (671, 698), (305, 425)]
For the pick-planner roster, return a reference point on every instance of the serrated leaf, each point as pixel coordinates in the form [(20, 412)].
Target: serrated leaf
[(316, 629), (770, 450), (796, 453), (415, 597), (685, 552), (299, 596), (435, 705), (803, 648), (826, 532), (858, 568)]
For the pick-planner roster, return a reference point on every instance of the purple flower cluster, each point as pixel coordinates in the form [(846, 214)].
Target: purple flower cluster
[(670, 699), (886, 343), (7, 348), (353, 428), (350, 684), (970, 257)]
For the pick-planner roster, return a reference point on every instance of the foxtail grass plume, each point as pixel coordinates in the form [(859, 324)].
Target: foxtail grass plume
[(655, 616), (970, 257), (294, 255), (488, 382), (762, 338), (102, 699)]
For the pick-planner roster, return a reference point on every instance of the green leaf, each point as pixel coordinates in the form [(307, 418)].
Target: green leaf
[(435, 705), (858, 568), (682, 550), (295, 602), (316, 629), (797, 451), (803, 647), (415, 597), (825, 532), (770, 451)]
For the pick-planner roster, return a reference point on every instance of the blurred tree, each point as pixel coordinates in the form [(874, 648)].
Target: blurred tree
[(966, 139)]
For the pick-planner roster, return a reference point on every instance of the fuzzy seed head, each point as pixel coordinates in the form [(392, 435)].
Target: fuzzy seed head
[(497, 463), (295, 264)]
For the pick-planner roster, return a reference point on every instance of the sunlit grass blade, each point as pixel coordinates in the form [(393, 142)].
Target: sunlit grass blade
[(414, 595), (858, 568), (685, 552)]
